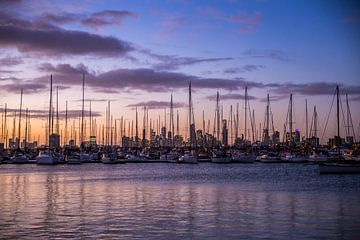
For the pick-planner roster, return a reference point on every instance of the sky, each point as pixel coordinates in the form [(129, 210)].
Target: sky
[(137, 53)]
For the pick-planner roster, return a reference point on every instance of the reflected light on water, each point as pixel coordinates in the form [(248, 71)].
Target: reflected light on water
[(109, 203)]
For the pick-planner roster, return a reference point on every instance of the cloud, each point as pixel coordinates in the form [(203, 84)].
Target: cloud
[(245, 68), (312, 89), (44, 114), (157, 104), (175, 62), (52, 42), (63, 68), (9, 61), (28, 87), (95, 100), (61, 18), (274, 98), (144, 79), (248, 22), (172, 62), (267, 53), (107, 17), (230, 96)]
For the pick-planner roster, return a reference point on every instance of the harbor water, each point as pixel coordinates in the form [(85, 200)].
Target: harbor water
[(177, 201)]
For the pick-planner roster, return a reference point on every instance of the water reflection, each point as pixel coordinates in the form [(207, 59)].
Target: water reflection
[(107, 203)]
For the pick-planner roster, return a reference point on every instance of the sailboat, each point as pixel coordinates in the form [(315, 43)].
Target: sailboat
[(219, 155), (46, 156), (244, 157), (20, 156), (190, 156), (337, 165)]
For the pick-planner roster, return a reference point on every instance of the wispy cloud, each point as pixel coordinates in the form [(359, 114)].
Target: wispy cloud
[(311, 89), (230, 96), (9, 61), (44, 114), (107, 17), (267, 53), (245, 68), (172, 62), (157, 104)]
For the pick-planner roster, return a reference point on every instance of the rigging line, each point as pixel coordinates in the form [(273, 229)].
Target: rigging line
[(328, 116), (343, 115), (311, 124), (286, 120)]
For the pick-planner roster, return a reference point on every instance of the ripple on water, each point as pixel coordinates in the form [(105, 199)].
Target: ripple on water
[(171, 201)]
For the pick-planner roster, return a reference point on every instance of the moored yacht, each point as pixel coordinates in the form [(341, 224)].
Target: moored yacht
[(45, 157)]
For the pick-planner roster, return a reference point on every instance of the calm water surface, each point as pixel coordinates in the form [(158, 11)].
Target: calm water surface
[(171, 201)]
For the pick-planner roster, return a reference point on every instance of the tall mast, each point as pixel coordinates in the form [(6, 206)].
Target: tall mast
[(26, 127), (109, 124), (90, 118), (338, 118), (19, 130), (57, 110), (203, 121), (307, 119), (231, 125), (217, 116), (245, 133), (82, 110), (315, 122), (50, 109), (290, 118), (190, 115), (177, 123), (5, 127), (136, 128), (237, 122), (172, 127), (66, 123)]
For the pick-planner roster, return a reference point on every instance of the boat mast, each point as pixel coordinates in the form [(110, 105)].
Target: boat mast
[(315, 122), (237, 122), (19, 130), (218, 117), (290, 118), (26, 127), (57, 110), (231, 125), (245, 133), (82, 110), (5, 127), (90, 116), (177, 123), (307, 120), (66, 124), (190, 114), (50, 113), (172, 127), (338, 119), (136, 129)]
